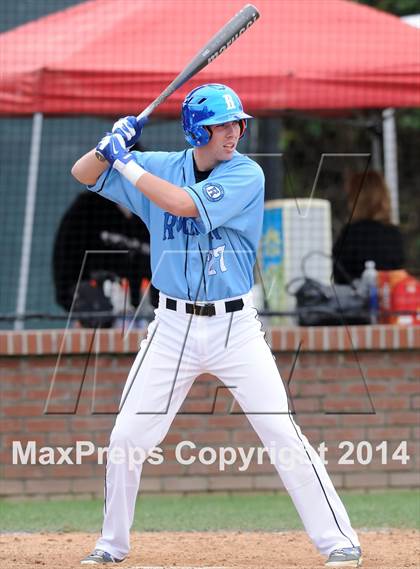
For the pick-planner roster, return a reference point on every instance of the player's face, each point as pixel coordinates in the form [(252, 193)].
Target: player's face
[(224, 140)]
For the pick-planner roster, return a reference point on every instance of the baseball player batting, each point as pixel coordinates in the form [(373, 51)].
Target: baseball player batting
[(204, 210)]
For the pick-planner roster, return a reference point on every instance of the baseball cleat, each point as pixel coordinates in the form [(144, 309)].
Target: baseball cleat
[(345, 557), (99, 557)]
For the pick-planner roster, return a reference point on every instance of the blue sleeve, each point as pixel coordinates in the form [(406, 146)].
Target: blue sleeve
[(116, 188), (226, 194)]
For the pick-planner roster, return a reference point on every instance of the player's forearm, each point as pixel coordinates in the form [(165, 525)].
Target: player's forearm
[(88, 168), (167, 196)]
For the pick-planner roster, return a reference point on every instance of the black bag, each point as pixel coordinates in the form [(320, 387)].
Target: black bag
[(94, 307), (318, 304)]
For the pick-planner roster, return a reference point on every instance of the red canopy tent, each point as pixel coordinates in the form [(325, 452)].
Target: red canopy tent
[(107, 57)]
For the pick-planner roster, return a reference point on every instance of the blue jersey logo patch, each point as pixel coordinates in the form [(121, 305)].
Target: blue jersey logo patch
[(213, 192)]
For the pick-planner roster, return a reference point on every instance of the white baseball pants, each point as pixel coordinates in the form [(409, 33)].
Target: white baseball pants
[(178, 348)]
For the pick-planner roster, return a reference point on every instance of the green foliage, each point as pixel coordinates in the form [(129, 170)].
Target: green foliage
[(247, 512), (408, 119), (397, 7)]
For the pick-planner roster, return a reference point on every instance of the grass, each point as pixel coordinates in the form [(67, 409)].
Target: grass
[(246, 512)]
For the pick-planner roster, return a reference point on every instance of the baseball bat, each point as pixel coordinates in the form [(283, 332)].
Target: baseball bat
[(223, 39)]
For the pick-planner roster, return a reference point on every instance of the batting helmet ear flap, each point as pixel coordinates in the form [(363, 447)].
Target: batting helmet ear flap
[(198, 136)]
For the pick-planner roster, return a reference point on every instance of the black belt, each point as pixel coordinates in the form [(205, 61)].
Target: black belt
[(207, 309)]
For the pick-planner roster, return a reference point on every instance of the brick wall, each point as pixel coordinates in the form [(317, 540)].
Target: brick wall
[(357, 384)]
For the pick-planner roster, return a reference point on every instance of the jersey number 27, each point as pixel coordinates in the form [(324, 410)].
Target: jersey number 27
[(212, 255)]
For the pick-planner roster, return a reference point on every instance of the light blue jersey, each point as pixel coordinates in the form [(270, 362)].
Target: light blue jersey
[(210, 257)]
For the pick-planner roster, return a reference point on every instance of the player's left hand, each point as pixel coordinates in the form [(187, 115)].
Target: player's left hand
[(112, 147), (130, 129)]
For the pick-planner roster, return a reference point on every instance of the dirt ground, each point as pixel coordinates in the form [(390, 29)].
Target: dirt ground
[(387, 549)]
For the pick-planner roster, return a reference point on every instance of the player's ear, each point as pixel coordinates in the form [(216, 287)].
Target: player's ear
[(209, 130)]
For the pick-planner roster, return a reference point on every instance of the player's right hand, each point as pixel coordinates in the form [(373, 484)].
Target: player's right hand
[(130, 129)]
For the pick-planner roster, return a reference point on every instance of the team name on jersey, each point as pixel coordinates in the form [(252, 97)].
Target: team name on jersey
[(187, 225)]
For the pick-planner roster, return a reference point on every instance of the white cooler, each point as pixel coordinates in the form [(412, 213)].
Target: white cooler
[(292, 229)]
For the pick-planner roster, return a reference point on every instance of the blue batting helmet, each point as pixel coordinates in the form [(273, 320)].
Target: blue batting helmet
[(209, 105)]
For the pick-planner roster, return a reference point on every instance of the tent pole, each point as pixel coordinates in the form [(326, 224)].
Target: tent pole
[(31, 187), (391, 160)]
